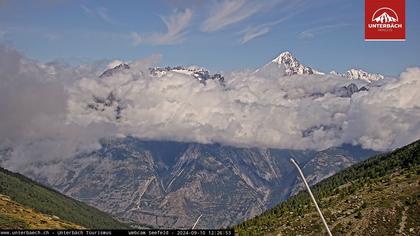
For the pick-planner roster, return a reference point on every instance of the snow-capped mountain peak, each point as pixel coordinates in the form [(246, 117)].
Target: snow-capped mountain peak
[(363, 75), (283, 57), (292, 65), (286, 60), (115, 70), (358, 74), (196, 72), (199, 73)]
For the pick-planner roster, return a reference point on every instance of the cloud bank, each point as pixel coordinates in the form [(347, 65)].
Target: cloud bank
[(52, 111), (261, 109), (33, 104)]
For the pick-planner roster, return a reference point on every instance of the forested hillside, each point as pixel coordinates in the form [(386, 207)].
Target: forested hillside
[(28, 197), (379, 196)]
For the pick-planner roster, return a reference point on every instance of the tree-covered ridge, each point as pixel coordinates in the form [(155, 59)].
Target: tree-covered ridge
[(379, 196), (42, 199), (15, 216)]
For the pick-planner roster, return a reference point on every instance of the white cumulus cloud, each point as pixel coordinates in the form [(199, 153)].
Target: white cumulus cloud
[(51, 111), (33, 117), (261, 109)]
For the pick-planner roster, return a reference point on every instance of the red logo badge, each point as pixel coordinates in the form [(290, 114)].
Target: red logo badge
[(385, 20)]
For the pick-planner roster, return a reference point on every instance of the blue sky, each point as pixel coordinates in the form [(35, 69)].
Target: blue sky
[(220, 35)]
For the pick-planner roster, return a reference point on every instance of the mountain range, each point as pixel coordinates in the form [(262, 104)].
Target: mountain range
[(111, 106), (169, 184), (158, 183), (293, 66), (286, 60)]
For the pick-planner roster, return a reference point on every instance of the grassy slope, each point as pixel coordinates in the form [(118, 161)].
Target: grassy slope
[(41, 199), (15, 216), (379, 196)]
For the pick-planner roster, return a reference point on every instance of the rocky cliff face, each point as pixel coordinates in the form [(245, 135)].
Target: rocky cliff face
[(328, 162), (169, 184)]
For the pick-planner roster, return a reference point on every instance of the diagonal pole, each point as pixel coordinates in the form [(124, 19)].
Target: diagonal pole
[(312, 196), (196, 222)]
